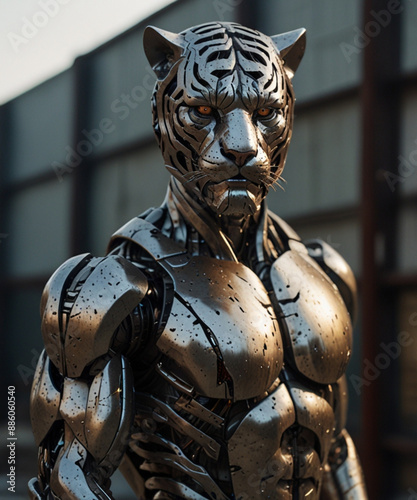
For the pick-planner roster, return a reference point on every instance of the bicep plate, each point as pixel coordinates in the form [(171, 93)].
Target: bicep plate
[(83, 303)]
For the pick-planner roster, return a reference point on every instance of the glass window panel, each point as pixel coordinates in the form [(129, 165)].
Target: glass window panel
[(407, 239), (409, 36), (38, 229), (323, 164), (41, 127), (333, 59), (408, 343), (23, 335), (122, 86), (122, 189), (407, 466), (406, 176)]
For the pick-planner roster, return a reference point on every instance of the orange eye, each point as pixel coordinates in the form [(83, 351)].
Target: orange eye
[(205, 110), (264, 112)]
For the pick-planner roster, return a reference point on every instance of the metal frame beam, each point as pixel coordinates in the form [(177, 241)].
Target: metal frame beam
[(380, 99)]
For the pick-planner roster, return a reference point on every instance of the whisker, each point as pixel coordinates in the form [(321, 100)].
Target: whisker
[(273, 181), (278, 183), (194, 176), (270, 181)]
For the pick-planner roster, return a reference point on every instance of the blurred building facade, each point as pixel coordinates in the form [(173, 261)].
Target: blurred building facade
[(78, 159)]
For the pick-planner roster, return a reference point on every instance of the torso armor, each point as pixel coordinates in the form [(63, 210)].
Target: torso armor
[(238, 382), (205, 354)]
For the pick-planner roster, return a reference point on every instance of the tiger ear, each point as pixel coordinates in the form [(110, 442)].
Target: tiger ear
[(291, 47), (163, 49)]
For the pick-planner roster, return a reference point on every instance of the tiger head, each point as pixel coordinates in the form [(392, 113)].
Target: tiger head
[(223, 110)]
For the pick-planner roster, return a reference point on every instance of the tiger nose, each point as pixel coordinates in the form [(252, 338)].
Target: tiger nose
[(238, 157), (239, 141)]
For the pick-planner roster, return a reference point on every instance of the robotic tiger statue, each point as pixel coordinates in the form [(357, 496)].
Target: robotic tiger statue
[(205, 354)]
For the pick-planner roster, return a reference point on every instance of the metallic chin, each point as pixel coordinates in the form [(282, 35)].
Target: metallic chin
[(234, 197)]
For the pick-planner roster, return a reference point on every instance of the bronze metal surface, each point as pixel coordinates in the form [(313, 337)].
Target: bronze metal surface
[(210, 336), (229, 157), (242, 335), (45, 399), (318, 324), (83, 303), (259, 462)]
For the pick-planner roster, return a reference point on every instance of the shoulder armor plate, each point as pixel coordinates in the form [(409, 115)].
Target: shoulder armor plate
[(147, 236), (338, 270), (83, 303)]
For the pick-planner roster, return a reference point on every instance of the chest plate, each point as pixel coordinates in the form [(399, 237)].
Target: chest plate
[(317, 323), (222, 333)]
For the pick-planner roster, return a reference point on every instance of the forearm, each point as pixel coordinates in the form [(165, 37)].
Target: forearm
[(85, 443), (343, 478), (71, 477)]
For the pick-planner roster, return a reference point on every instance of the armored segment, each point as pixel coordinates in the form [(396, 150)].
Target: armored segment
[(205, 355)]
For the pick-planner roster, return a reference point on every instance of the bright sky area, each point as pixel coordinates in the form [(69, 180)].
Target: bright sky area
[(40, 38)]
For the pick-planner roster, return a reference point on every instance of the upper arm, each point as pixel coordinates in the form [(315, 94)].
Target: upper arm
[(82, 394), (83, 304)]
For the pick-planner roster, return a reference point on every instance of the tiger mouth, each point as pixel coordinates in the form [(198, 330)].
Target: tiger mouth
[(236, 183), (234, 196)]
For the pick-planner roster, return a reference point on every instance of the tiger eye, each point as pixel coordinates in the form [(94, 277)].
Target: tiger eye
[(205, 110), (264, 112)]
